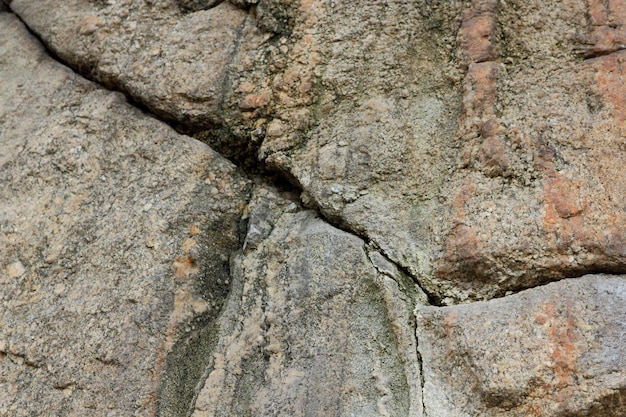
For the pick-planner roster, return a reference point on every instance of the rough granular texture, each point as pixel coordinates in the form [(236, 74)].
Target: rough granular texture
[(480, 145), (474, 149), (115, 235), (556, 350)]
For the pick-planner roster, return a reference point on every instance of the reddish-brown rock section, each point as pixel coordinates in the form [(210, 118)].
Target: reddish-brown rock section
[(541, 190)]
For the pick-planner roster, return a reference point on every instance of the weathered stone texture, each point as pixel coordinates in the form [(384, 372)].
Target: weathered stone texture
[(522, 183), (477, 148), (479, 145), (115, 237), (530, 185), (541, 191), (182, 65), (311, 326), (556, 350)]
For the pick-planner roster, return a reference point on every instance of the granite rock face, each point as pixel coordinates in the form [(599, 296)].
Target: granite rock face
[(480, 145), (175, 62), (117, 244), (115, 238), (302, 334), (391, 155), (555, 350), (499, 167)]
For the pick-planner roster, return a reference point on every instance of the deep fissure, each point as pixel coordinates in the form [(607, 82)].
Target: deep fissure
[(420, 364), (259, 172)]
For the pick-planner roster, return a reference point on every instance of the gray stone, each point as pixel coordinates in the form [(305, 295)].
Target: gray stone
[(475, 147), (430, 128), (115, 237), (311, 327), (556, 350)]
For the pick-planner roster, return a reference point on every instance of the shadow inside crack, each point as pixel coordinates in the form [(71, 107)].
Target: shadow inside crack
[(189, 6), (613, 404), (183, 371)]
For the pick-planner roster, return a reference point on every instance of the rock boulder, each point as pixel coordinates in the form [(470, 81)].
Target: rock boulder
[(556, 350)]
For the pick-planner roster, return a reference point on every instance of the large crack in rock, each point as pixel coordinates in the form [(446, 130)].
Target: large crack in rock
[(129, 231), (482, 153)]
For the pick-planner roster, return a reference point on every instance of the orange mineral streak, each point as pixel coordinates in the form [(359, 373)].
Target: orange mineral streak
[(565, 207), (617, 12), (562, 333), (463, 248), (463, 244), (610, 76), (449, 328), (479, 90), (460, 200), (477, 53), (612, 12), (562, 200), (608, 20), (477, 32), (475, 35)]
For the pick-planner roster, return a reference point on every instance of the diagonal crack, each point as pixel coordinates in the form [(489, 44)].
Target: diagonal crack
[(259, 172)]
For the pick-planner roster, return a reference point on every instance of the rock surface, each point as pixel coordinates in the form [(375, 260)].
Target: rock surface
[(474, 148), (115, 237), (483, 152), (176, 63), (556, 350)]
